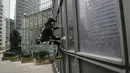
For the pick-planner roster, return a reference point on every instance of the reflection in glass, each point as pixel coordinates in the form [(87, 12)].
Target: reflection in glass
[(70, 24), (98, 27)]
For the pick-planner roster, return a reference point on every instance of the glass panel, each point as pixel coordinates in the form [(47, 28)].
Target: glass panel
[(98, 27), (39, 18), (63, 26), (31, 21), (71, 64), (91, 68), (26, 22), (58, 24), (35, 19), (70, 24)]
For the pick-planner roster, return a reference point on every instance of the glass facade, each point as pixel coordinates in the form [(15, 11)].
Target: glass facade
[(94, 36), (25, 7), (99, 28), (32, 28), (87, 67)]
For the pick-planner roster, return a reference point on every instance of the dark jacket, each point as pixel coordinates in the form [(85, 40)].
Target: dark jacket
[(47, 33)]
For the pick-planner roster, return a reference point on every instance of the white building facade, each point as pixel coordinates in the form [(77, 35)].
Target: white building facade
[(2, 28)]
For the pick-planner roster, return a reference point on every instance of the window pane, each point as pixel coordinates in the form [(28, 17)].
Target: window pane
[(70, 24), (71, 64), (87, 67), (98, 27)]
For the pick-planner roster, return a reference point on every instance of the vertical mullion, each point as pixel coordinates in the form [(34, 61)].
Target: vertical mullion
[(124, 35)]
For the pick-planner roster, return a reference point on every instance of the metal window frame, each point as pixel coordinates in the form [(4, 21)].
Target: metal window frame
[(103, 65), (120, 70), (125, 4)]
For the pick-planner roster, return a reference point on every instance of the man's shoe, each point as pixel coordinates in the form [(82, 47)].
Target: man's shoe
[(59, 57)]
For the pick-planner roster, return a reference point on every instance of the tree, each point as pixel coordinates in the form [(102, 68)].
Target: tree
[(15, 39)]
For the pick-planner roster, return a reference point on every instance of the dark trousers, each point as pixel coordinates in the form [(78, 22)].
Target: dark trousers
[(59, 46), (55, 42)]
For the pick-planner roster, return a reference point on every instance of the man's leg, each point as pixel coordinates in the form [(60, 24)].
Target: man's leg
[(59, 47)]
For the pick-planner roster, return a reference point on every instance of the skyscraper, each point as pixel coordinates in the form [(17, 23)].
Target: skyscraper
[(2, 27), (25, 7), (1, 15), (12, 25), (6, 22)]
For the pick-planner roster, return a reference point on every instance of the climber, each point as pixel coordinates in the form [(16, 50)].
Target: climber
[(47, 35)]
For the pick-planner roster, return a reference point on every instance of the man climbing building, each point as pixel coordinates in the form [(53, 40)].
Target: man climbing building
[(47, 35)]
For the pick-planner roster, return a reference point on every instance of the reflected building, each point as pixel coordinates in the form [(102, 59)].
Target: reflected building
[(25, 7), (101, 24)]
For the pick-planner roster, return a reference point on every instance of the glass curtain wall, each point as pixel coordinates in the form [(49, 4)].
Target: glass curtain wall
[(33, 25), (97, 27)]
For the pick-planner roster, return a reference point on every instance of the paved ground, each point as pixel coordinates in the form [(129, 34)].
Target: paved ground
[(17, 67)]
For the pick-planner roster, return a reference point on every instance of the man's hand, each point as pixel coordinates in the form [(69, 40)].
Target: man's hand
[(55, 28), (58, 38), (63, 38)]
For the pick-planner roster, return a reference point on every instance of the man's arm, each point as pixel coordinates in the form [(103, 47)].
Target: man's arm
[(52, 35), (55, 28)]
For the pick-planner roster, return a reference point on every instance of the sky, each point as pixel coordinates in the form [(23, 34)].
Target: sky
[(12, 8)]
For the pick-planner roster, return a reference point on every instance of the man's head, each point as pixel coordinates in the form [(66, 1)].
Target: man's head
[(51, 20)]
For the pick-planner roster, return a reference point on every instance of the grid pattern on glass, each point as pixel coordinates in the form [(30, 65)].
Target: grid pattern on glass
[(45, 4), (98, 27), (33, 26), (86, 67), (25, 7)]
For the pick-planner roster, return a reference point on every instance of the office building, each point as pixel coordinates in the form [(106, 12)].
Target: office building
[(12, 25), (6, 22), (25, 7), (32, 27), (1, 22), (2, 28)]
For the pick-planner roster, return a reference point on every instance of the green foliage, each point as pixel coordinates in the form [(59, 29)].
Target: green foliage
[(15, 39), (41, 55)]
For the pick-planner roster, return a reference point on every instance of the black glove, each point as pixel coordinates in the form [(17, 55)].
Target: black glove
[(55, 28), (58, 38)]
